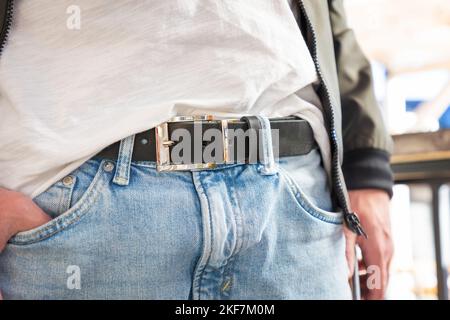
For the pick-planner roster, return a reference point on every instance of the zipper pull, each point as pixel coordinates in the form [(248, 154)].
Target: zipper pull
[(354, 224)]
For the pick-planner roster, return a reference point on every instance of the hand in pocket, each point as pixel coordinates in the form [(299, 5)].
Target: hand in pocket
[(18, 213)]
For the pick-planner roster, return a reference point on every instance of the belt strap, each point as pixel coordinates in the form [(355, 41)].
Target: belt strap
[(295, 138)]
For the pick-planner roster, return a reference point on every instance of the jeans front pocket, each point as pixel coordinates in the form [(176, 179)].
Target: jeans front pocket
[(66, 202), (306, 180), (57, 198)]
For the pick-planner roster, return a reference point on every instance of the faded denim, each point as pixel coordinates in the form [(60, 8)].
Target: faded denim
[(234, 232)]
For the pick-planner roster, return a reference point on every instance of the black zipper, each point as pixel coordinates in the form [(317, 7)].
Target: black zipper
[(351, 218), (6, 24)]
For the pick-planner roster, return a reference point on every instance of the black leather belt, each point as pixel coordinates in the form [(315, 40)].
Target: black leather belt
[(295, 137)]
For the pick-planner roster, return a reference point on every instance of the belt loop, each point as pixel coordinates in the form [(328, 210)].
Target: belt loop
[(266, 154), (122, 174), (264, 132)]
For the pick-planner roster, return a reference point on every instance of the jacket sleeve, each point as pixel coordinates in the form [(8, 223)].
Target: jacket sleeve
[(367, 144)]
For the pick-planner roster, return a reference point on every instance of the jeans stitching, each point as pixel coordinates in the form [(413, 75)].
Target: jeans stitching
[(302, 200), (200, 268), (239, 221), (62, 222)]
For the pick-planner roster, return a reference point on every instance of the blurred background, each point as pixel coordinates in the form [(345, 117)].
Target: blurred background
[(408, 42)]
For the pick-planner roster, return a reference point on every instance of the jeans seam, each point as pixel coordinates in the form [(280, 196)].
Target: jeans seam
[(206, 252), (228, 272), (239, 221), (66, 198)]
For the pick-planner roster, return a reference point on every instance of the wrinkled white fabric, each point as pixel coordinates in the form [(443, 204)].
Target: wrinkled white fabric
[(66, 93)]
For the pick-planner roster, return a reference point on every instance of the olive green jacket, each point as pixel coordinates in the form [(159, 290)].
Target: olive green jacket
[(363, 144), (360, 143)]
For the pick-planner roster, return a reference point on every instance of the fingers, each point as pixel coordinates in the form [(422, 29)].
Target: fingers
[(373, 209), (18, 213), (375, 272), (350, 243), (363, 278), (35, 218), (31, 216), (4, 234)]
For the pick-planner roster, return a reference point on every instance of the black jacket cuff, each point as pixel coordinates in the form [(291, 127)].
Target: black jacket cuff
[(368, 169)]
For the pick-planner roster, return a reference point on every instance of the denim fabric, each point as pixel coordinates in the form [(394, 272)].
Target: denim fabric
[(234, 232)]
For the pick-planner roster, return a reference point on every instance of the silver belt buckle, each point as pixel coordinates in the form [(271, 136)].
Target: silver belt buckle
[(163, 144)]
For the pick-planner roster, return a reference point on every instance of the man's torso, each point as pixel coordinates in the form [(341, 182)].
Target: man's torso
[(132, 66)]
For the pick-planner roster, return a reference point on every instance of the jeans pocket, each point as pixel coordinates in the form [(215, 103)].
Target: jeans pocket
[(306, 204), (66, 202)]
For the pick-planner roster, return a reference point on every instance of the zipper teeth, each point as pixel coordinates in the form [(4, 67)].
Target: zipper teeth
[(7, 24), (335, 145)]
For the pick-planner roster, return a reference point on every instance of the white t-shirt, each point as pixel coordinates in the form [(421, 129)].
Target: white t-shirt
[(66, 93)]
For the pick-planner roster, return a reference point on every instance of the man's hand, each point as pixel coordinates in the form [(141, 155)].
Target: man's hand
[(18, 213), (372, 207)]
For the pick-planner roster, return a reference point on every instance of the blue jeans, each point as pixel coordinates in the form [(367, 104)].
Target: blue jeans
[(122, 230)]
